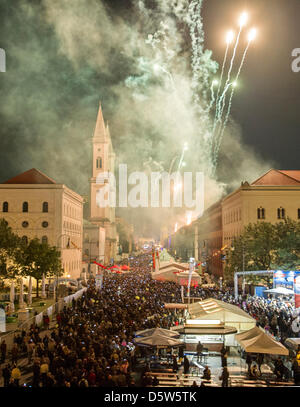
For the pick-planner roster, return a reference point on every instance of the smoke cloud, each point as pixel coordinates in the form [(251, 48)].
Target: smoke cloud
[(145, 61)]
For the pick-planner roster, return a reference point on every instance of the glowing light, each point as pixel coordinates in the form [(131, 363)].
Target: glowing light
[(215, 82), (176, 227), (177, 187), (234, 84), (252, 34), (243, 19), (184, 164), (229, 37), (185, 146), (188, 218)]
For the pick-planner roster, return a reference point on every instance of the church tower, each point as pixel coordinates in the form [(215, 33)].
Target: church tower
[(103, 162)]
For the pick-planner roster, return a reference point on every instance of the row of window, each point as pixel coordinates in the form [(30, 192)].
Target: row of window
[(281, 213), (233, 216), (25, 224), (44, 239), (72, 226), (72, 265), (70, 211), (25, 207)]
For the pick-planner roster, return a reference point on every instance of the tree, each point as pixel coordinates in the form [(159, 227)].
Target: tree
[(265, 246), (11, 247), (287, 253), (40, 258)]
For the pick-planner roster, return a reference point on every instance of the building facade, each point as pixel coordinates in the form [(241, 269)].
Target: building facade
[(271, 198), (35, 206)]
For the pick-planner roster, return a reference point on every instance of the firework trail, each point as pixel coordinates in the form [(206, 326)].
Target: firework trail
[(222, 129), (229, 39), (243, 20), (220, 80), (212, 100)]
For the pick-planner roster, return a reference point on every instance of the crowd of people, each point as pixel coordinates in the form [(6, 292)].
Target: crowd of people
[(92, 343)]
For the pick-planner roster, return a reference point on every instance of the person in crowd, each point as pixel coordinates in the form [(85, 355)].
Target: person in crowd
[(186, 365), (175, 364), (249, 362), (260, 361), (199, 351), (224, 377), (6, 374), (3, 349), (16, 375), (206, 373)]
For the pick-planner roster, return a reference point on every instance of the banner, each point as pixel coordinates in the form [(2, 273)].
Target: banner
[(50, 311), (39, 319), (99, 281), (284, 279), (297, 289), (2, 320)]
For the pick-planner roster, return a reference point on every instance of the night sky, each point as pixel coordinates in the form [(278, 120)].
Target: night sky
[(268, 104), (49, 103)]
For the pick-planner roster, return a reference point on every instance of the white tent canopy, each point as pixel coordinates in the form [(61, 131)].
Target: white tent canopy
[(231, 315), (157, 340), (155, 331), (280, 291), (258, 341), (178, 272)]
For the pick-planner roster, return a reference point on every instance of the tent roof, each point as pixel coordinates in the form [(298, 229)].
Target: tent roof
[(157, 331), (256, 340), (173, 265), (157, 340), (280, 290), (216, 309)]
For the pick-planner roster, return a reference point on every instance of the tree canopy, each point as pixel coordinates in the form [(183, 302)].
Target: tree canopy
[(18, 258), (265, 246)]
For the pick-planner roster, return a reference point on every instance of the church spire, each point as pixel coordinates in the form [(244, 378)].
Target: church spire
[(100, 131)]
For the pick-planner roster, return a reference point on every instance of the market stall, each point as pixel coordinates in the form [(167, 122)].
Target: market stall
[(256, 340)]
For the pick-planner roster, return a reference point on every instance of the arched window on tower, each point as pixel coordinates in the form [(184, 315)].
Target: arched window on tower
[(25, 206), (44, 240), (45, 206), (5, 207), (99, 162)]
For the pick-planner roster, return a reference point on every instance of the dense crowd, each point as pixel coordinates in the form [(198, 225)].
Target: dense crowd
[(92, 343)]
